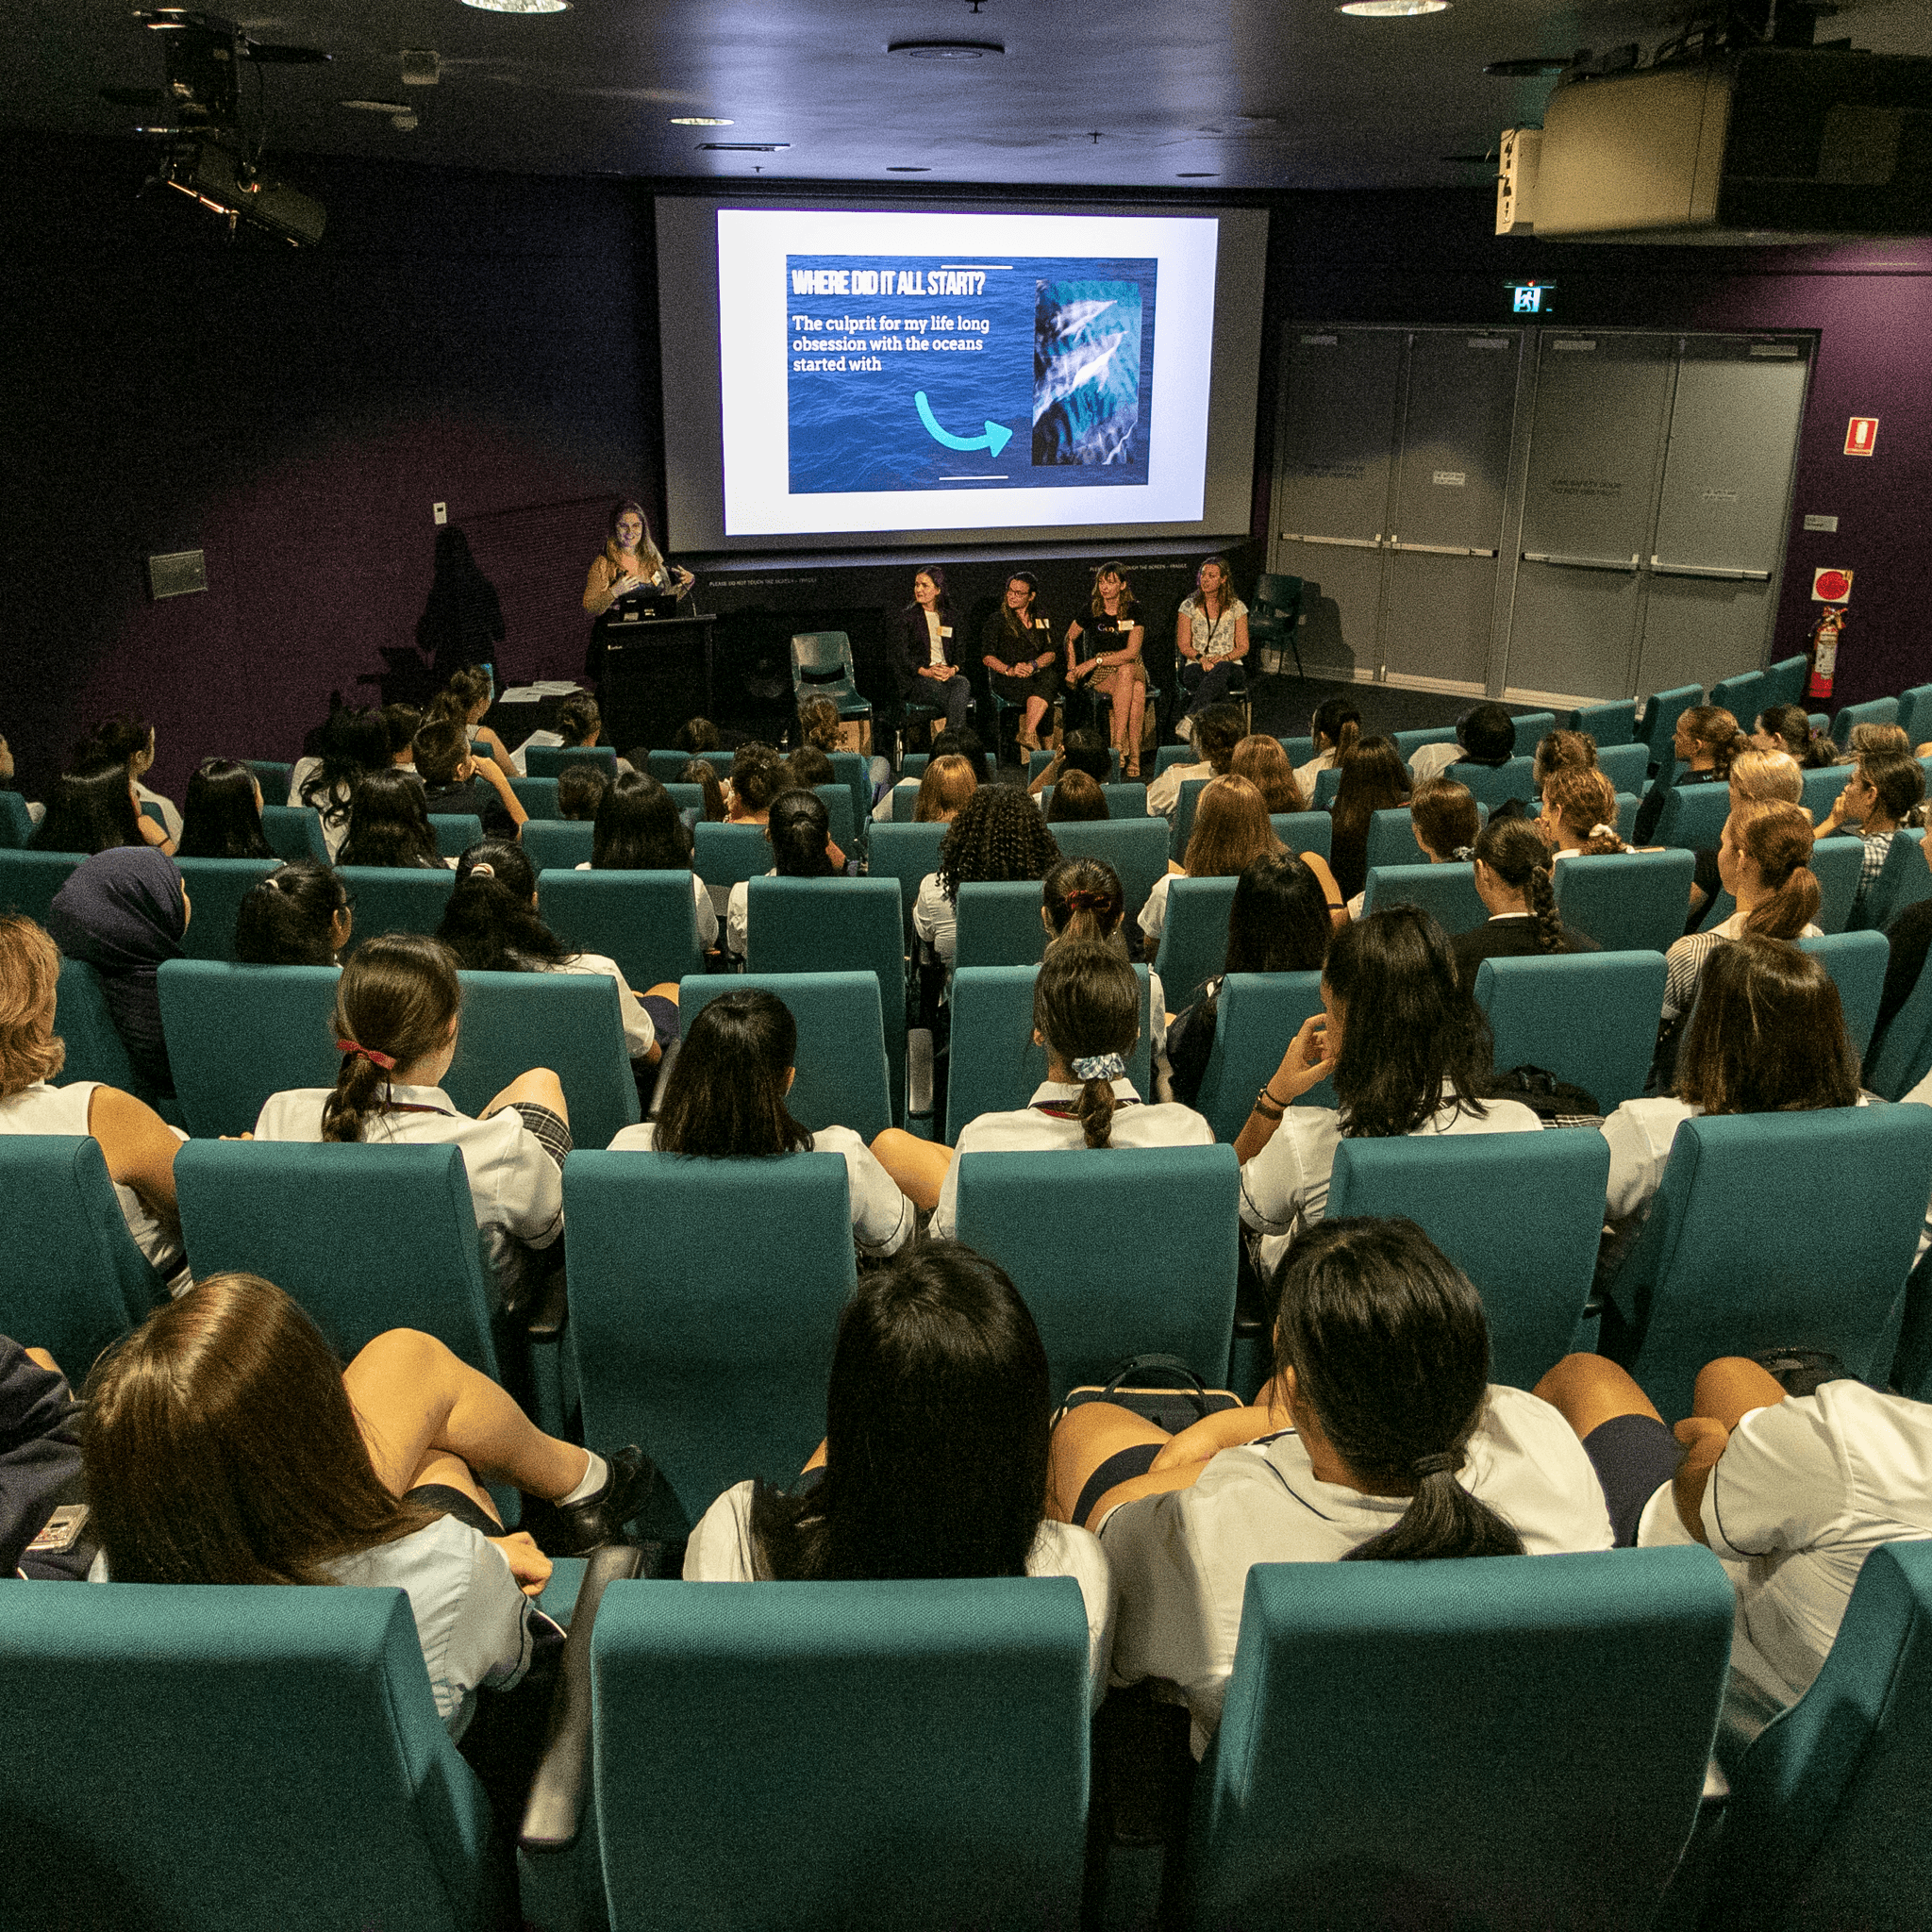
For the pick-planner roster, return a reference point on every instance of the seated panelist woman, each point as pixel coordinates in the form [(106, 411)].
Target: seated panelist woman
[(1017, 646), (927, 667), (1106, 652), (630, 562)]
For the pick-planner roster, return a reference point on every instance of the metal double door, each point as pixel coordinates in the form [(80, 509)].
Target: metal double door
[(1536, 514)]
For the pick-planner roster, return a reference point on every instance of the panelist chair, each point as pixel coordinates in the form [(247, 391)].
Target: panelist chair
[(822, 667)]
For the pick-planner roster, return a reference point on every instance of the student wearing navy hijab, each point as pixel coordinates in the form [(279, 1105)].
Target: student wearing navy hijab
[(123, 913)]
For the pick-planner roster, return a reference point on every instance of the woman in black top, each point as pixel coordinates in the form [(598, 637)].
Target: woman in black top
[(928, 666), (1512, 879), (1016, 645), (1707, 738), (1113, 634)]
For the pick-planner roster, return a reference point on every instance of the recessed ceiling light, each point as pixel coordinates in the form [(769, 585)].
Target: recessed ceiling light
[(520, 6), (946, 50), (700, 121), (1381, 10)]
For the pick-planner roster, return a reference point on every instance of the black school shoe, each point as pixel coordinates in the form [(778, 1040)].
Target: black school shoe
[(574, 1529)]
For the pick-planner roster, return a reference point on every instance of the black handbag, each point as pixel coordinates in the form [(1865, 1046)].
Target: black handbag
[(1175, 1402)]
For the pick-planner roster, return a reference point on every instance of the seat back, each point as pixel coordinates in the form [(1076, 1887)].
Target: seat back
[(1520, 1214), (756, 1688), (645, 921), (1903, 1057), (1627, 902), (1152, 1271), (836, 925), (1177, 755), (1742, 696), (1903, 880), (1304, 831), (303, 1722), (667, 767), (852, 770), (1300, 750), (1626, 766), (838, 810), (537, 796), (904, 800), (1588, 1018), (547, 760), (294, 831), (1135, 846), (1823, 1825), (1836, 862), (1124, 800), (568, 1021), (711, 1341), (1857, 962), (725, 855), (16, 821), (71, 1280), (1658, 727), (1000, 924), (1409, 743), (1446, 892), (1494, 787), (1684, 1294), (321, 1221), (1185, 806), (1613, 723), (1915, 714), (95, 1050), (819, 656), (273, 776), (238, 1034), (216, 887), (1876, 711), (1694, 817), (557, 844), (900, 850), (1428, 1669), (455, 832), (29, 880), (1256, 1015), (1783, 682), (1392, 838), (396, 898), (844, 1078), (1193, 939), (1822, 786), (995, 1066)]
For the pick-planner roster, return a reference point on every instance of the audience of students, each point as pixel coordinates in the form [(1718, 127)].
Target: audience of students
[(1512, 879), (1231, 830), (388, 822), (300, 915), (946, 785), (1789, 728), (1485, 735), (638, 828), (1373, 778), (93, 808), (129, 741), (1884, 793), (1335, 727), (798, 827), (352, 745), (1262, 762), (580, 791), (1707, 739), (224, 816), (457, 781), (1217, 731), (999, 835)]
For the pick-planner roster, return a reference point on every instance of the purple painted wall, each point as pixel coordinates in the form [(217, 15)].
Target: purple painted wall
[(1433, 258)]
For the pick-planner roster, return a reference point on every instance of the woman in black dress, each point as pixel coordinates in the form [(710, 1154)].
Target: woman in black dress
[(1017, 647)]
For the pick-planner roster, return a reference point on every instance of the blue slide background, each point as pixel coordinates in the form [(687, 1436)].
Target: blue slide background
[(860, 428)]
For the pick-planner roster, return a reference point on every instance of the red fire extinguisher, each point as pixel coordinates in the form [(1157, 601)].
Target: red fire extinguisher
[(1826, 634)]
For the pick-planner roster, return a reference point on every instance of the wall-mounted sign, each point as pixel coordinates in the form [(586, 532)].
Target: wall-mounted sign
[(1831, 586), (1537, 299), (1454, 479), (179, 574), (1861, 436), (1828, 525)]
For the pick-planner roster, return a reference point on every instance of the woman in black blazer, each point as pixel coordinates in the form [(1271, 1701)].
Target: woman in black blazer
[(928, 663)]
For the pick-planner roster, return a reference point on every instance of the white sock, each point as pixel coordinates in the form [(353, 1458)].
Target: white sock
[(596, 1473)]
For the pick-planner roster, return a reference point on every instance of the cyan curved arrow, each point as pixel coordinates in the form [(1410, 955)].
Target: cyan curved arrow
[(996, 437)]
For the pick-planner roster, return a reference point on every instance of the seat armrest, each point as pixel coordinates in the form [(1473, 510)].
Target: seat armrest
[(554, 1813), (666, 1060), (919, 1069), (551, 1309)]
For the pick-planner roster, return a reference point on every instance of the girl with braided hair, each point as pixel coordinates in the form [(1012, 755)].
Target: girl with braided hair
[(1512, 879), (999, 834), (1380, 1439), (1087, 1015), (395, 1019), (1580, 812)]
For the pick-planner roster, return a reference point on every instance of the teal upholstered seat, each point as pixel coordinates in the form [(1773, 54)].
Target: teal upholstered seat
[(1462, 1688), (1681, 1299), (1391, 839), (1135, 846), (325, 1791), (238, 1034), (1193, 937), (1627, 902), (1519, 1214), (557, 844), (900, 850), (1446, 892), (995, 1066), (16, 821), (1304, 831), (1742, 696), (1783, 682), (216, 887), (71, 1279), (1857, 962), (645, 921), (1154, 1271), (29, 880), (294, 831), (1613, 723), (537, 796), (1588, 1018), (1658, 727), (1876, 711), (1694, 817), (999, 924), (1257, 1014), (705, 1299), (396, 898), (727, 853), (455, 832), (547, 760), (1626, 766), (1903, 880), (1491, 787)]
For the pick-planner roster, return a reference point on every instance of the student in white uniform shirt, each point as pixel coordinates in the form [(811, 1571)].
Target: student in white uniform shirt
[(579, 724), (724, 1100), (999, 836), (136, 1144), (1217, 731), (491, 925), (395, 1019), (639, 828), (1379, 1440), (1334, 727), (799, 831), (1793, 1491), (1087, 1015), (224, 1443), (1408, 1051), (935, 1457)]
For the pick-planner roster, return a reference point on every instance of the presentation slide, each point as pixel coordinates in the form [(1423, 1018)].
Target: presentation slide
[(962, 372)]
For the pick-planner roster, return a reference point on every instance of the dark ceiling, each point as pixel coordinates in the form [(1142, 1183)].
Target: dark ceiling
[(1228, 95)]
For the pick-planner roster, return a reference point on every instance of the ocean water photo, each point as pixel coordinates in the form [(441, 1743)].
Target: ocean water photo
[(1085, 371)]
